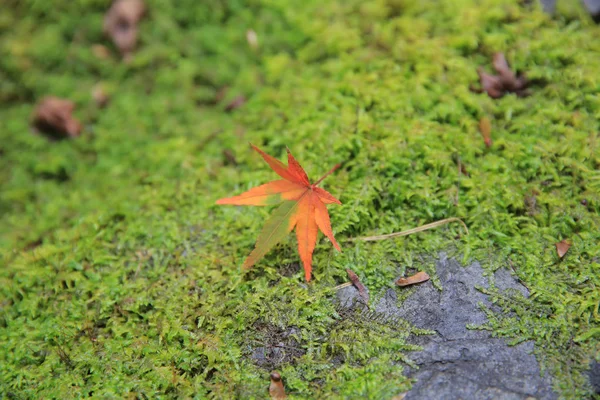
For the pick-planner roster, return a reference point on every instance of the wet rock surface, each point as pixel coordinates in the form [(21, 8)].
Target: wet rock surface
[(275, 346), (593, 7), (457, 362), (594, 376)]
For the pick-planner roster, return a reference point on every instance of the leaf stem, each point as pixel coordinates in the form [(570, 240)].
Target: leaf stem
[(326, 175)]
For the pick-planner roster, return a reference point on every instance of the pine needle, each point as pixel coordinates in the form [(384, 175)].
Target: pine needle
[(410, 231), (343, 285)]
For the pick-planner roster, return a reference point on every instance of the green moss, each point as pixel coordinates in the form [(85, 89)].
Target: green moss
[(121, 277)]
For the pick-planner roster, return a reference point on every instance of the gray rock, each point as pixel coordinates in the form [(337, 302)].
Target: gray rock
[(594, 376), (593, 6), (549, 6), (457, 362), (504, 281), (349, 297)]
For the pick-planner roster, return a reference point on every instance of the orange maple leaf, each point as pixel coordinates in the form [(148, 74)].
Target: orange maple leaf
[(303, 207)]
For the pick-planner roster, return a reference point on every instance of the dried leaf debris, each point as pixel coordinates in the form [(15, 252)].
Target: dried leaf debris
[(506, 81), (121, 24), (53, 116), (411, 280), (562, 247)]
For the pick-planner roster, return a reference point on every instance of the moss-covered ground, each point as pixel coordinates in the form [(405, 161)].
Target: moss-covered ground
[(121, 278)]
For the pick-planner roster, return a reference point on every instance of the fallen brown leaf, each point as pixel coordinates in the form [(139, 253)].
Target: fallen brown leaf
[(53, 117), (276, 389), (490, 84), (562, 247), (506, 81), (121, 24), (485, 128), (510, 80), (411, 280), (362, 290)]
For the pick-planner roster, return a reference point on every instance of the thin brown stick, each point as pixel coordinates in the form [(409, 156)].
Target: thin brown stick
[(362, 290), (410, 231)]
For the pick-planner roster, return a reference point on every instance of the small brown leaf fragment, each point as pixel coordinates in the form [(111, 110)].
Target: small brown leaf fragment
[(276, 389), (252, 38), (121, 24), (235, 103), (411, 280), (485, 128), (506, 75), (506, 81), (362, 290), (491, 84), (100, 96), (562, 247), (462, 168), (53, 117)]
